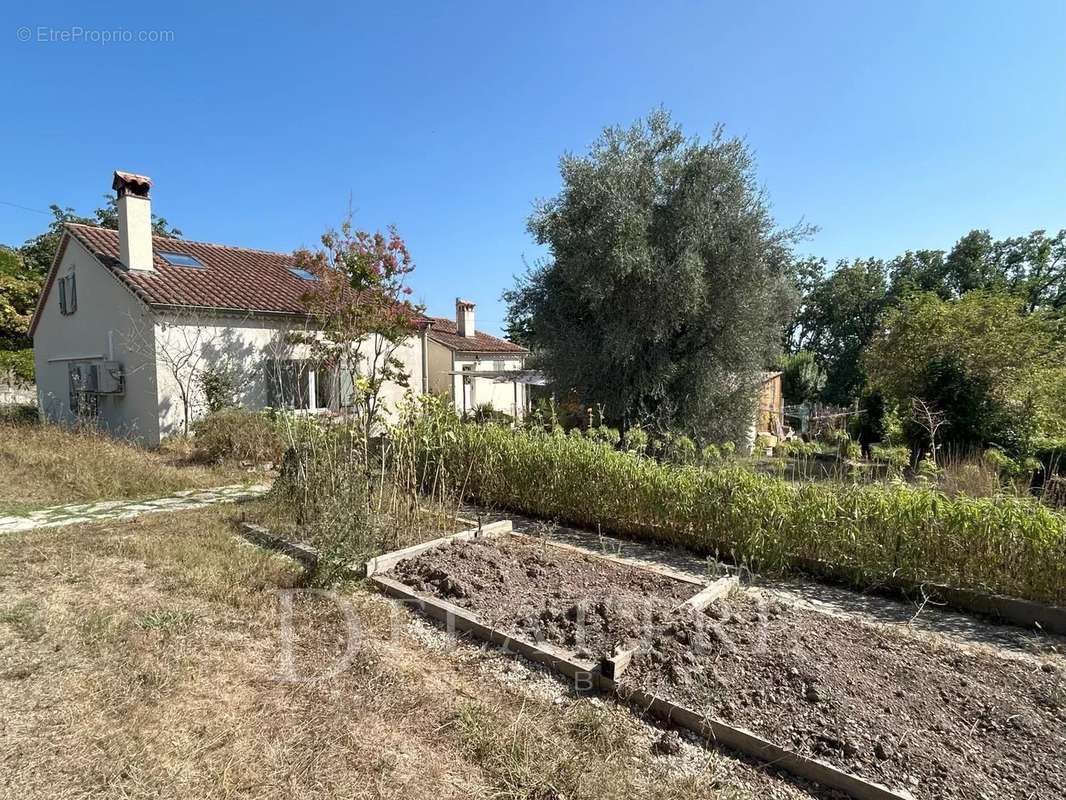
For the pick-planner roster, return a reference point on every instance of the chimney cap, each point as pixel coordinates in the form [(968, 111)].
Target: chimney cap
[(461, 303), (131, 183)]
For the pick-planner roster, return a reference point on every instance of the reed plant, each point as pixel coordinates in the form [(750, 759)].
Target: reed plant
[(864, 533)]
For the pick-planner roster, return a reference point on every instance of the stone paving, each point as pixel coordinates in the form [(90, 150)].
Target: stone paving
[(79, 513)]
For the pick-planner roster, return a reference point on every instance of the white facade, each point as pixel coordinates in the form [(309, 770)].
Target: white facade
[(98, 330), (160, 353), (467, 391), (248, 348)]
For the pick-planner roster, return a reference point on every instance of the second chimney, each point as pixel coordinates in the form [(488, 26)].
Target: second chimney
[(464, 317), (134, 220)]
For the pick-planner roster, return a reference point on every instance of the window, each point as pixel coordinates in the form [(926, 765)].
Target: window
[(303, 274), (181, 260), (68, 294), (301, 385)]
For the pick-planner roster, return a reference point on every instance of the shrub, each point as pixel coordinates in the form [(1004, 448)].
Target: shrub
[(710, 455), (17, 366), (636, 441), (865, 533), (602, 433), (678, 449), (219, 387), (20, 414), (234, 434), (898, 457), (324, 485)]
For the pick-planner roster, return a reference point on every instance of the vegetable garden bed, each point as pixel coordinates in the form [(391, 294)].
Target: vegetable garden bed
[(939, 720)]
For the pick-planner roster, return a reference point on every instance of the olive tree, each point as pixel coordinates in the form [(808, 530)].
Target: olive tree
[(667, 284)]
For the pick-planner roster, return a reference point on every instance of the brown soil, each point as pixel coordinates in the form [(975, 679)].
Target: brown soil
[(586, 604), (937, 720)]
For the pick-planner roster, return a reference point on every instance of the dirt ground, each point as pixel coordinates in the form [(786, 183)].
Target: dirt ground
[(585, 604), (938, 720), (142, 659)]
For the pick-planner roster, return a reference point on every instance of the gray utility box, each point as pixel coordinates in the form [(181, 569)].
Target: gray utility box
[(110, 379)]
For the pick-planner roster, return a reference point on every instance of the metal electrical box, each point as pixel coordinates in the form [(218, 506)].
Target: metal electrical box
[(110, 379)]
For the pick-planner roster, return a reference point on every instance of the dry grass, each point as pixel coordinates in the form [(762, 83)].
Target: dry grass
[(45, 465), (138, 659)]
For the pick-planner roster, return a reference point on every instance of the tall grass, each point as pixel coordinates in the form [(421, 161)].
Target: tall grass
[(865, 533), (45, 464)]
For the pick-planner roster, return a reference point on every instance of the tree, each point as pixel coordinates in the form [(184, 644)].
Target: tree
[(839, 317), (667, 284), (359, 302), (1035, 266), (919, 271), (972, 264), (983, 362), (19, 290), (39, 252), (802, 379)]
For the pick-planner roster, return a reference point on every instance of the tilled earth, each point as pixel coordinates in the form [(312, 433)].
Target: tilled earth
[(585, 604), (940, 721)]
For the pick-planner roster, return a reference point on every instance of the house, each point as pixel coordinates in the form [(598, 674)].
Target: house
[(129, 322), (472, 369)]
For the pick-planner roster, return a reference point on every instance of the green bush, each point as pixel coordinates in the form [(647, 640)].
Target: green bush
[(762, 444), (710, 455), (219, 387), (866, 533), (602, 433), (898, 457), (234, 434), (18, 364), (20, 414), (636, 441)]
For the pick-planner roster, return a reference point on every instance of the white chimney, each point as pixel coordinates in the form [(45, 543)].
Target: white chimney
[(464, 317), (134, 220)]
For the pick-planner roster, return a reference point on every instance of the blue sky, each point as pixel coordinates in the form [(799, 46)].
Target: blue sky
[(890, 125)]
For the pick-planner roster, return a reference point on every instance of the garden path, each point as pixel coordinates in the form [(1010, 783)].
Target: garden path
[(79, 513)]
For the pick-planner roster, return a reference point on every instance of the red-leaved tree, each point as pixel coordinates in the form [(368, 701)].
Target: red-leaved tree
[(359, 303)]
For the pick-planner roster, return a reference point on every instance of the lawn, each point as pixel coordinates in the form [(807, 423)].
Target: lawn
[(46, 465), (138, 659)]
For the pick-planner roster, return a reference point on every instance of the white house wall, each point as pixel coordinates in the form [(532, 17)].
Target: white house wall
[(98, 330), (242, 344), (486, 390)]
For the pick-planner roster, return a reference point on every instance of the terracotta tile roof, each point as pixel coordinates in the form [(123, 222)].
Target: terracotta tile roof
[(234, 277), (445, 332)]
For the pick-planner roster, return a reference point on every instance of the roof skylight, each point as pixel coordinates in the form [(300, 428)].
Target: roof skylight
[(181, 260), (303, 274)]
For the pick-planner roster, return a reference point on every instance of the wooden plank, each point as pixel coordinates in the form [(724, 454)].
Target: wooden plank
[(460, 619), (749, 744), (387, 561), (667, 572), (1014, 610), (717, 590), (586, 675), (617, 664), (259, 535)]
